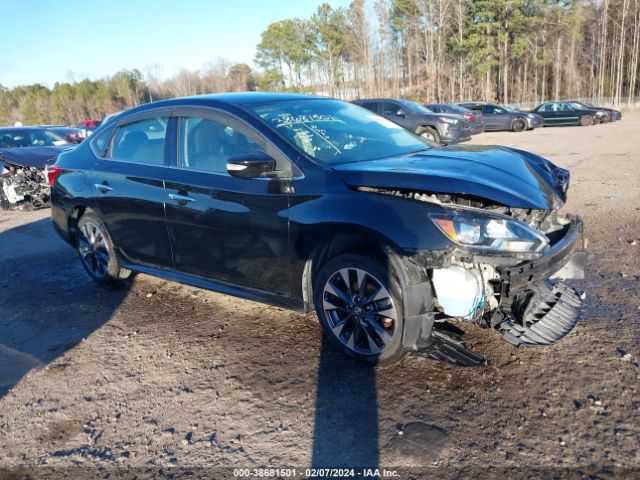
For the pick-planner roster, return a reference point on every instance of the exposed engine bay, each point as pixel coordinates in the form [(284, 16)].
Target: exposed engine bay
[(23, 188)]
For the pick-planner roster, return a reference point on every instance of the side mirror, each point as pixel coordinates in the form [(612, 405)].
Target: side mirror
[(250, 165), (401, 113)]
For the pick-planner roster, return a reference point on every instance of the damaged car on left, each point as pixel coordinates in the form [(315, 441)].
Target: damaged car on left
[(26, 156)]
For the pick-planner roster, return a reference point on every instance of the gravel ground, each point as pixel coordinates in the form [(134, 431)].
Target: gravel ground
[(156, 377)]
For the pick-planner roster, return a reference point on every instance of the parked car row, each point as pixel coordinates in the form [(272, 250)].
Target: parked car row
[(453, 123)]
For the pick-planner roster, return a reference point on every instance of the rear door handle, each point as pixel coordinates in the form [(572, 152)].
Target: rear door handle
[(103, 187), (181, 198)]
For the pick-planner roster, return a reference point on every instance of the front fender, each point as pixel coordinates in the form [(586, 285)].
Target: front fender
[(400, 223)]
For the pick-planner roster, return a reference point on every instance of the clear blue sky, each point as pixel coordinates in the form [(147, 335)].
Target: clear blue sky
[(63, 40)]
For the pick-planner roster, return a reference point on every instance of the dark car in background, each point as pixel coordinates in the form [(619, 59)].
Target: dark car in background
[(563, 113), (444, 128), (612, 114), (70, 134), (25, 153), (475, 118), (87, 127), (313, 203), (501, 117)]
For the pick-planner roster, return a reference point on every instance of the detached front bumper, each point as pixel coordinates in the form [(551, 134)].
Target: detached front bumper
[(564, 259)]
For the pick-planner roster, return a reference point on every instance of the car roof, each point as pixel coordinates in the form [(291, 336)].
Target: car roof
[(382, 100), (21, 129), (238, 99)]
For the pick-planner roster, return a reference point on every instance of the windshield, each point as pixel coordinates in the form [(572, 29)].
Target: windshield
[(335, 132), (29, 138), (576, 105), (414, 107)]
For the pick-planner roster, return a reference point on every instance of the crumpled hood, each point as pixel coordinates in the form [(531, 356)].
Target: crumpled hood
[(37, 157), (502, 175)]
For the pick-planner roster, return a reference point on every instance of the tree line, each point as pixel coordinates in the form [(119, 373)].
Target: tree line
[(71, 102), (509, 51)]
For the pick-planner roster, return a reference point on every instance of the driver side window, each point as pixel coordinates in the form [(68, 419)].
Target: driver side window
[(207, 145), (390, 109)]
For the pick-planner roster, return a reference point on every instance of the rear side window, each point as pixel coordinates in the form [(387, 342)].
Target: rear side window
[(101, 141), (141, 142)]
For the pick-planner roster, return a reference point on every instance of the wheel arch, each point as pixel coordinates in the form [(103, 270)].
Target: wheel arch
[(415, 284), (353, 239), (423, 125), (73, 217), (520, 117)]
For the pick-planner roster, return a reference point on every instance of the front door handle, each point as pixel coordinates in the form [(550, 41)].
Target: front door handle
[(103, 187), (181, 198)]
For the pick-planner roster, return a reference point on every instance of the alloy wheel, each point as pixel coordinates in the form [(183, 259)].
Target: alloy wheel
[(519, 125), (360, 311), (92, 246), (428, 135)]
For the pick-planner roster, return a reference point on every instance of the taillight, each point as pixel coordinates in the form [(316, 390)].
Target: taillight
[(52, 172), (469, 116)]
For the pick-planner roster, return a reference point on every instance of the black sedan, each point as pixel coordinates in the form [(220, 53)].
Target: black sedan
[(25, 153), (564, 113), (313, 203), (501, 117), (612, 114), (475, 118), (436, 127)]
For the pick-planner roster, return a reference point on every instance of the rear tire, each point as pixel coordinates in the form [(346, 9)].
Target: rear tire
[(359, 304), (429, 133), (96, 251), (519, 124), (586, 120)]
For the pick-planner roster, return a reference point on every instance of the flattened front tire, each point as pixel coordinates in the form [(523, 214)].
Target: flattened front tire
[(586, 120), (359, 305), (96, 251)]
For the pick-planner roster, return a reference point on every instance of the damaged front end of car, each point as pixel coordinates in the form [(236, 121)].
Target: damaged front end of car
[(505, 272), (23, 187), (504, 268)]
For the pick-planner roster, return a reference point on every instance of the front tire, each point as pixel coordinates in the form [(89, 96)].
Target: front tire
[(429, 133), (519, 124), (586, 120), (359, 305), (96, 251)]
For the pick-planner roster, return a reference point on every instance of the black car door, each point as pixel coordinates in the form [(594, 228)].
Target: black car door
[(552, 114), (223, 227), (568, 115), (128, 190)]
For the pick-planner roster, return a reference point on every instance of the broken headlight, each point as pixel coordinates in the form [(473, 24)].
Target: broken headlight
[(488, 232)]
